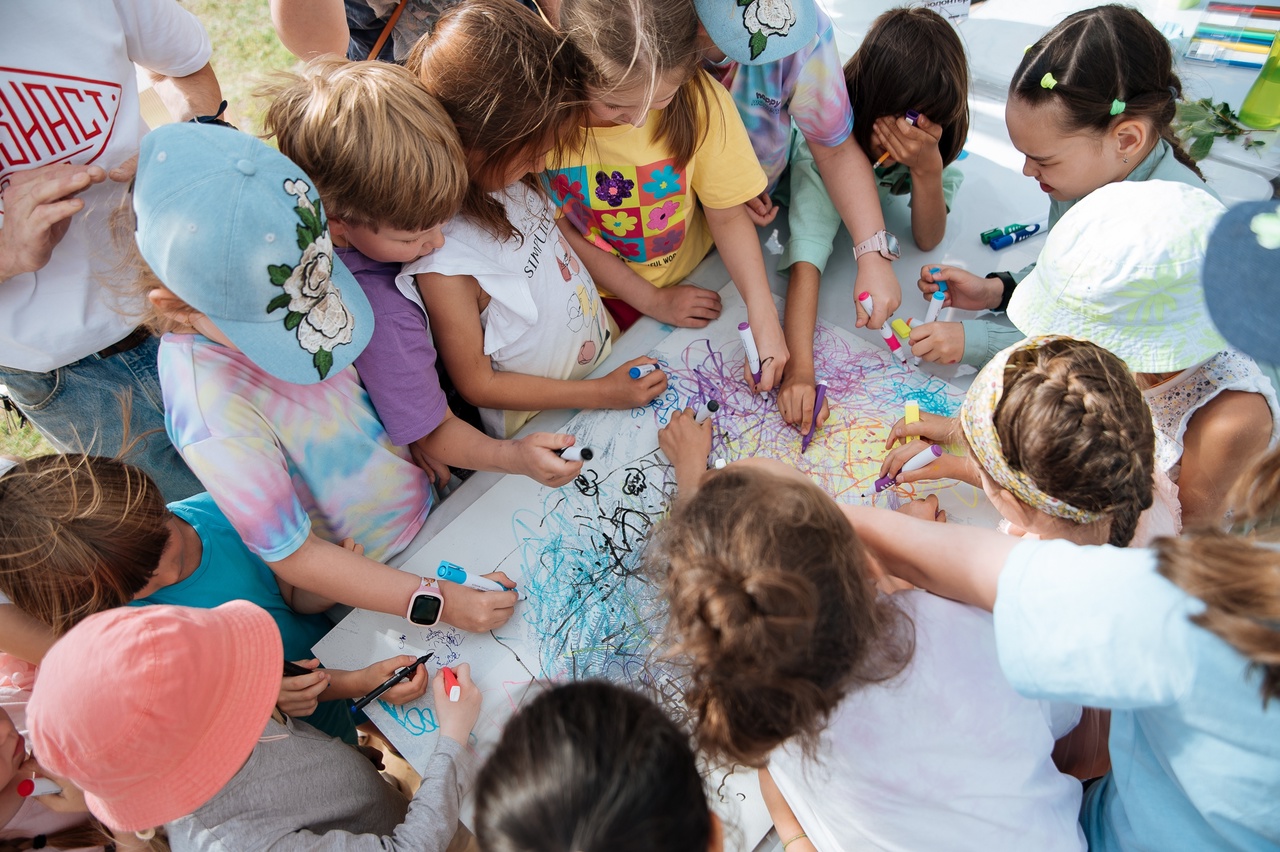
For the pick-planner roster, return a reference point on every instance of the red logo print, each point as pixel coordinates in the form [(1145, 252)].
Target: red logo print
[(53, 118)]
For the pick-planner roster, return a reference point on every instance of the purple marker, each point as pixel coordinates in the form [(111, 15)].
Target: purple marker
[(912, 117), (926, 456), (813, 427), (749, 344)]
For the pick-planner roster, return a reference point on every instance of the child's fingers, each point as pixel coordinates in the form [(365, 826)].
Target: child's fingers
[(500, 577), (899, 456)]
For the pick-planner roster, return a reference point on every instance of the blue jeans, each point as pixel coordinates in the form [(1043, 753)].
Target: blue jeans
[(81, 408)]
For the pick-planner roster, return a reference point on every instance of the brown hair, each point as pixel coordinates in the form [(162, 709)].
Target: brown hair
[(773, 608), (513, 87), (380, 149), (1237, 573), (911, 58), (1073, 419), (638, 42), (78, 535), (1098, 56)]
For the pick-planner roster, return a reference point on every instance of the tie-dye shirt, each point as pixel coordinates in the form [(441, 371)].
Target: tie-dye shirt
[(284, 460), (807, 87), (621, 187)]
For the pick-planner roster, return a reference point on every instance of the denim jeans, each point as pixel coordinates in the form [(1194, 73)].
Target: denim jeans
[(81, 408)]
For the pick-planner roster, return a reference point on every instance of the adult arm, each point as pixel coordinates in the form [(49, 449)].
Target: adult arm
[(189, 96), (309, 28)]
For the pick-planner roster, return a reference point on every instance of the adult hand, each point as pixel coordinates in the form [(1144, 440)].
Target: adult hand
[(537, 459), (965, 290), (684, 305), (619, 390), (477, 611), (457, 718), (38, 206)]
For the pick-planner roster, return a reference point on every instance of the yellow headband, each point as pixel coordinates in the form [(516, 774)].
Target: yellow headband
[(977, 419)]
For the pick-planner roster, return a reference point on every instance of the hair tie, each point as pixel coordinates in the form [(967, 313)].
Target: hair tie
[(1027, 49), (1117, 106), (1047, 81), (1173, 93), (39, 841)]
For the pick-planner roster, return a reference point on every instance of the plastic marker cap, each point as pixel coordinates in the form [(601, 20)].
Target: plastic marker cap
[(720, 464), (451, 686), (864, 296), (912, 412), (901, 328), (642, 370), (707, 409), (576, 453), (37, 787)]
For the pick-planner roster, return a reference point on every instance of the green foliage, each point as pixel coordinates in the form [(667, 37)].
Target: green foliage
[(1199, 123)]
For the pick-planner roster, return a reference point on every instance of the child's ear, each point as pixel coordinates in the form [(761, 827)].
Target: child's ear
[(337, 227), (1131, 138), (167, 304)]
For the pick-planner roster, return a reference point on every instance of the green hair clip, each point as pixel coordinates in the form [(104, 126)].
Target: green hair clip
[(1117, 106), (1047, 81)]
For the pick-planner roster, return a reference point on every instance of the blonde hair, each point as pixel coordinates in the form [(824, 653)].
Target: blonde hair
[(381, 150), (773, 609), (639, 42), (1236, 573), (78, 535)]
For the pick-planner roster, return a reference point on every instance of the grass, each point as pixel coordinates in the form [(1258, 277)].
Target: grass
[(19, 439)]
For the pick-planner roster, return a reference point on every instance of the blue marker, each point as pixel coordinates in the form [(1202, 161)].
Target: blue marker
[(642, 370), (941, 282), (457, 574), (1006, 240)]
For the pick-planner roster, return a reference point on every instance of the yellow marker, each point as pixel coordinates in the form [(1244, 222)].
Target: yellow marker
[(901, 328), (913, 413)]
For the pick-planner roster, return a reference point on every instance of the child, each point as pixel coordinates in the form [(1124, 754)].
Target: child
[(781, 67), (1180, 642), (215, 763), (877, 715), (83, 534), (661, 137), (910, 59), (518, 320), (263, 325), (1059, 438), (1213, 409), (389, 170), (592, 766), (1091, 103)]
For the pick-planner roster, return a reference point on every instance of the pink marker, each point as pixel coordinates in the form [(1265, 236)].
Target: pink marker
[(867, 305), (891, 340), (451, 686), (926, 456)]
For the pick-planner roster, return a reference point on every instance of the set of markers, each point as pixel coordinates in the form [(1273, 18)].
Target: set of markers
[(891, 331), (925, 457), (1002, 238)]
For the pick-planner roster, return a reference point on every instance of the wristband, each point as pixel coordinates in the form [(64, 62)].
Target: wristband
[(1006, 278), (216, 118), (787, 843)]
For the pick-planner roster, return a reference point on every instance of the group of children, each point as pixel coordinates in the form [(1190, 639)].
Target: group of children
[(515, 196)]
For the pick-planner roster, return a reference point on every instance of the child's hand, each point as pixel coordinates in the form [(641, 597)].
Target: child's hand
[(69, 801), (762, 210), (300, 695), (946, 466), (926, 509), (686, 444), (350, 544), (457, 718), (965, 290), (886, 294), (619, 390), (772, 346), (477, 611), (437, 471), (914, 146), (684, 305), (934, 428), (939, 342), (536, 458), (404, 691), (796, 398)]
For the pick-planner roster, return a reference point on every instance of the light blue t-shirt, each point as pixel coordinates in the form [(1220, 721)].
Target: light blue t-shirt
[(229, 571), (1195, 757)]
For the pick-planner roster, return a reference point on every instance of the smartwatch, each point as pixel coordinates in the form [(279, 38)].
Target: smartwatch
[(881, 241), (427, 604)]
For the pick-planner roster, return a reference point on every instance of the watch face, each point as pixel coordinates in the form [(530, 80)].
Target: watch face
[(425, 610), (892, 245)]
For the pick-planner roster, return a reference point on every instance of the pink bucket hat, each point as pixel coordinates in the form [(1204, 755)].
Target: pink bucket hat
[(188, 693)]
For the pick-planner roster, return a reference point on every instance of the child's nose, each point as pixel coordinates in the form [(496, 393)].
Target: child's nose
[(1028, 168)]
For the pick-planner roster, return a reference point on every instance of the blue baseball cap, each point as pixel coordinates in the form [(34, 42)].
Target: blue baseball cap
[(757, 32), (234, 228), (1240, 279)]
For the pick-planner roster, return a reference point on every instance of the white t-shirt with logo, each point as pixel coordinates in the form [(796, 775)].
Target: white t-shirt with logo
[(545, 317), (68, 94)]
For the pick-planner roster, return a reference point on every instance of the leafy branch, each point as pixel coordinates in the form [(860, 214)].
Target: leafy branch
[(1199, 123)]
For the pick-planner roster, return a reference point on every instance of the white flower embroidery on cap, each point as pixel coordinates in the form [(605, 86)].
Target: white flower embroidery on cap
[(764, 18), (1266, 227)]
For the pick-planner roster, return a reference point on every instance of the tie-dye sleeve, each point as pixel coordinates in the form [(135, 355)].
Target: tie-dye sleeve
[(820, 102)]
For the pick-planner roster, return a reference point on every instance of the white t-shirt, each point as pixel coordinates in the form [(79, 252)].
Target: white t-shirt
[(68, 93), (944, 756), (544, 317)]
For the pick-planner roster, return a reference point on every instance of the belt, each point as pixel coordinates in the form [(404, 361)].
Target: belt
[(136, 338)]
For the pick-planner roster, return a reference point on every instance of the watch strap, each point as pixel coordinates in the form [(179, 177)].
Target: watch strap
[(1009, 284)]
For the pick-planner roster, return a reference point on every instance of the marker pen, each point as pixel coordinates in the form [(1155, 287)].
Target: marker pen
[(37, 787), (705, 410), (867, 305), (988, 236), (926, 456), (813, 426), (576, 453), (749, 344), (457, 574), (451, 686), (719, 464), (401, 674), (901, 329), (912, 413), (912, 117), (1006, 240), (892, 342), (935, 305), (642, 370)]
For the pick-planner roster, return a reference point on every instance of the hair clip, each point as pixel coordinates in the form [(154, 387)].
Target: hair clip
[(1027, 49), (1117, 106), (1047, 81)]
